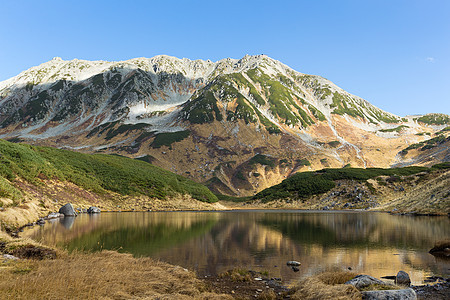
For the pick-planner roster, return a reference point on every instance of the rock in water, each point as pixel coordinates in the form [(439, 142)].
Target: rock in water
[(405, 294), (293, 263), (93, 210), (68, 210), (54, 215), (402, 278)]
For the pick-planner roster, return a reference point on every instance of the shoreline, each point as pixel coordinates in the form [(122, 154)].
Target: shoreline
[(15, 232)]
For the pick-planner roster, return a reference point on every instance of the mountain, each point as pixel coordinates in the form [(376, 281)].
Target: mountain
[(238, 125)]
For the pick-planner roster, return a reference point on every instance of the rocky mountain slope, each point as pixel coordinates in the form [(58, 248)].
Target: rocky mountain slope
[(238, 125)]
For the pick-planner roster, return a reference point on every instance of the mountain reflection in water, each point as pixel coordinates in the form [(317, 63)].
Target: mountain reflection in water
[(377, 244)]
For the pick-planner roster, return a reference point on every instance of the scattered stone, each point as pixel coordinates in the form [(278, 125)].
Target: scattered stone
[(258, 278), (68, 210), (54, 215), (7, 257), (295, 269), (293, 263), (362, 281), (41, 221), (93, 210), (405, 294), (402, 278), (438, 290)]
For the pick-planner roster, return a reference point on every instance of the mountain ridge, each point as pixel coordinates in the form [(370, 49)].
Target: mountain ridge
[(198, 117)]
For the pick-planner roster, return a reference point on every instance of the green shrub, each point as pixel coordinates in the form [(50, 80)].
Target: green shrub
[(434, 119), (168, 138), (262, 160), (98, 172), (396, 129), (304, 184), (303, 162)]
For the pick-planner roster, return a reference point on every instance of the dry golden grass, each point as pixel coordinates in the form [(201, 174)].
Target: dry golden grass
[(238, 275), (104, 275), (329, 285)]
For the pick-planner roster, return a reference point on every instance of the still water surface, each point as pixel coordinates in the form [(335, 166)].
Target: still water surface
[(377, 244)]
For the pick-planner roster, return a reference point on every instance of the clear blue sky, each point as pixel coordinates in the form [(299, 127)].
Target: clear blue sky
[(394, 53)]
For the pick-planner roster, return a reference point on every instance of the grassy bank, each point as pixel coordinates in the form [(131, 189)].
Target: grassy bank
[(306, 184), (96, 173), (100, 276)]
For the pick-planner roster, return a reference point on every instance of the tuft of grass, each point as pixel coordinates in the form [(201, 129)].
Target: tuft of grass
[(336, 277), (237, 275), (326, 286)]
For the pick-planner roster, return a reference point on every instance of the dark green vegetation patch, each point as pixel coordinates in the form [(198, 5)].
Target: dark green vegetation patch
[(168, 138), (112, 131), (396, 129), (443, 130), (96, 172), (434, 119), (428, 144), (262, 160), (305, 184), (203, 109)]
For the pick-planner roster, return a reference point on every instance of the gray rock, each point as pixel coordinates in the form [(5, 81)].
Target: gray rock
[(7, 257), (68, 210), (402, 278), (293, 263), (93, 210), (54, 215), (41, 221), (362, 281), (405, 294)]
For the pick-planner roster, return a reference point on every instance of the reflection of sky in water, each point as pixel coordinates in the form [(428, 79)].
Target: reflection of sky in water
[(377, 244)]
